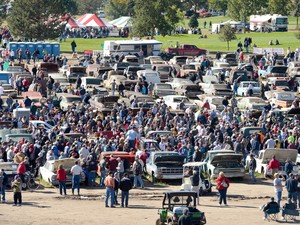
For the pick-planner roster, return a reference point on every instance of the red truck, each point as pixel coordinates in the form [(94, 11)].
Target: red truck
[(188, 50)]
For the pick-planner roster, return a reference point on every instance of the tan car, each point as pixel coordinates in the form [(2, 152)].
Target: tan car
[(188, 70)]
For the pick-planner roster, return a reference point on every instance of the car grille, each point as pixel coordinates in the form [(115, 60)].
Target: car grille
[(231, 170), (166, 171)]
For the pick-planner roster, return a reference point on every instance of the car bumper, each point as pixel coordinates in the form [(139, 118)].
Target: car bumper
[(229, 174), (168, 176)]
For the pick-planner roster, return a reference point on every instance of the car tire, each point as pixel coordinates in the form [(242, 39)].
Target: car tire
[(200, 191), (209, 190), (158, 222), (152, 178)]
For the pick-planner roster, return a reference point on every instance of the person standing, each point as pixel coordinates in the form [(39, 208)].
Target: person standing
[(222, 186), (110, 185), (120, 167), (185, 219), (195, 180), (17, 187), (273, 166), (137, 169), (113, 87), (3, 183), (291, 187), (278, 187), (297, 178), (61, 177), (78, 82), (76, 171), (125, 187), (252, 167), (116, 188), (73, 46)]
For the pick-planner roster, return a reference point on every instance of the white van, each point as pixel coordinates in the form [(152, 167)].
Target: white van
[(149, 75)]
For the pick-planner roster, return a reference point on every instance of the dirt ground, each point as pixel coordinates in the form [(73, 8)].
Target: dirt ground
[(45, 206)]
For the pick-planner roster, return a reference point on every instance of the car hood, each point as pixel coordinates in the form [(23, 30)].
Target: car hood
[(169, 159), (67, 163), (279, 69), (280, 154), (227, 157)]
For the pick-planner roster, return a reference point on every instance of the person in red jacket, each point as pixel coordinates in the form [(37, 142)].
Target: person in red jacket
[(61, 177), (21, 170), (273, 166), (222, 186)]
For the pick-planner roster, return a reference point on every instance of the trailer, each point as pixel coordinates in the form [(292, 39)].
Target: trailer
[(149, 47), (268, 23)]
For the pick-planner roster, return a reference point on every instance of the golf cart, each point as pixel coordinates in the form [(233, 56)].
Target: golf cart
[(174, 203), (204, 183)]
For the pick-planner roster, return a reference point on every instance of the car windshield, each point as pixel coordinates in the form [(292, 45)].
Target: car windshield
[(189, 67), (255, 84), (281, 83), (180, 99), (164, 86), (135, 60), (181, 59), (77, 70), (163, 68), (216, 101), (7, 87), (73, 99), (93, 81)]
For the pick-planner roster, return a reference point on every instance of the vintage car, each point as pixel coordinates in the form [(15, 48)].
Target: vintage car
[(131, 60), (177, 82), (151, 59), (164, 71), (117, 78), (251, 103), (188, 70), (238, 76), (174, 203), (149, 76), (74, 71), (120, 67), (103, 101), (92, 69), (64, 69), (15, 69), (35, 97), (278, 84), (10, 169), (48, 67), (218, 89), (9, 90), (67, 100), (131, 71), (281, 155), (161, 90), (48, 172), (243, 88), (179, 60), (215, 102), (161, 133), (224, 160), (248, 131), (19, 137), (38, 124), (163, 165), (273, 71), (90, 82), (204, 182), (220, 64), (190, 91), (149, 145), (230, 58), (173, 101), (217, 70), (283, 99), (100, 72)]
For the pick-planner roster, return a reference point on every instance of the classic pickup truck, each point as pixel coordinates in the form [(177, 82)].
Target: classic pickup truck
[(185, 49)]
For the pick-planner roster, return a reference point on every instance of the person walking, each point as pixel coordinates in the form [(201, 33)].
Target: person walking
[(73, 46), (278, 187), (3, 184), (195, 180), (76, 171), (137, 169), (110, 185), (222, 186), (61, 177), (252, 167), (17, 188), (116, 188), (125, 186)]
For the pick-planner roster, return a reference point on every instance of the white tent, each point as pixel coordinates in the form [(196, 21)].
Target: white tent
[(123, 21)]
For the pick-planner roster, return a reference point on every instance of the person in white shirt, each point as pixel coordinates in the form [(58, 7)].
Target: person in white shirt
[(84, 151), (209, 72), (162, 145), (76, 171), (270, 143)]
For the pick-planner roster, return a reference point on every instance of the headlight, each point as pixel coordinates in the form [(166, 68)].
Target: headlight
[(53, 178), (216, 171)]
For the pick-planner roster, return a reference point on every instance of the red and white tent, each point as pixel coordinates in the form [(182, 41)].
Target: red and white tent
[(72, 23), (92, 20)]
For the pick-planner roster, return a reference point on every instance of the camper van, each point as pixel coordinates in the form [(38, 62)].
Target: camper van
[(268, 22), (149, 47)]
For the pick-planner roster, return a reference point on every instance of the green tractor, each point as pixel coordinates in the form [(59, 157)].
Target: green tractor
[(175, 203)]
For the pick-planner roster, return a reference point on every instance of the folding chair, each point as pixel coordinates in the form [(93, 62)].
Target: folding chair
[(272, 213), (290, 214)]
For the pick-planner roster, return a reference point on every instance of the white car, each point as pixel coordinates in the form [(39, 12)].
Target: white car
[(224, 160), (164, 165), (243, 88), (48, 172), (215, 102), (254, 103), (40, 124), (64, 69), (67, 100), (281, 155), (173, 101), (177, 82)]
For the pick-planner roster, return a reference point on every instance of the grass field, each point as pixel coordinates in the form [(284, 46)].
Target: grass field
[(212, 43)]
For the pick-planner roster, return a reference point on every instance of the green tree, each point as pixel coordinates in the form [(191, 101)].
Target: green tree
[(193, 23), (219, 5), (89, 6), (278, 7), (162, 15), (294, 8), (117, 8), (3, 10), (227, 34), (39, 19)]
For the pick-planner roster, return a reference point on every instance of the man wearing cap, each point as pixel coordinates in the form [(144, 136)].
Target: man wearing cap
[(76, 170), (272, 204), (110, 185)]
